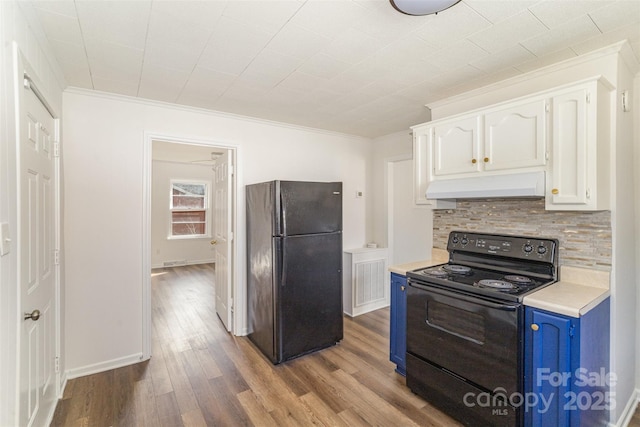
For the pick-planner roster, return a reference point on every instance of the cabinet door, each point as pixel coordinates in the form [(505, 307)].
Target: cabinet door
[(423, 169), (549, 366), (569, 171), (398, 327), (421, 165), (456, 146), (515, 136)]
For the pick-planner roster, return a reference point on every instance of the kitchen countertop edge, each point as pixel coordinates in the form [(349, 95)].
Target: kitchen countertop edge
[(569, 298), (438, 256)]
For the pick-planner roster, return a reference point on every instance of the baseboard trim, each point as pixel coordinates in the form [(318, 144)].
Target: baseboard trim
[(63, 385), (104, 366), (629, 410), (52, 413)]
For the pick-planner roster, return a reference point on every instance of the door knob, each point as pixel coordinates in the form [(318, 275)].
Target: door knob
[(402, 288), (555, 191), (34, 315), (474, 161), (214, 242), (535, 327)]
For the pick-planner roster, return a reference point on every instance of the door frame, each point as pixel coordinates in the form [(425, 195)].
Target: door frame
[(22, 68), (237, 309)]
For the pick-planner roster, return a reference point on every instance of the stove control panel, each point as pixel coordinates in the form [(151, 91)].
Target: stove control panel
[(521, 247)]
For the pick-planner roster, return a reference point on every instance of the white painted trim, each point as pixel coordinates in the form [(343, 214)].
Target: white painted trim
[(63, 384), (238, 302), (239, 326), (147, 161), (50, 415), (629, 410), (57, 241), (599, 53), (199, 110), (104, 366)]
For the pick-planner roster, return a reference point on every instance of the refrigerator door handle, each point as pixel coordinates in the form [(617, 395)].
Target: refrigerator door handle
[(283, 219), (283, 261)]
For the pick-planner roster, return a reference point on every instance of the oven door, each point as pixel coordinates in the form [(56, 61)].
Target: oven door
[(473, 338)]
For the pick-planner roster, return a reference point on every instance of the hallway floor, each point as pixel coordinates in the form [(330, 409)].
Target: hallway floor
[(200, 375)]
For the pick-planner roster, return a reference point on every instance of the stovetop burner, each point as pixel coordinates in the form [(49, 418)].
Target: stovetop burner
[(457, 269), (497, 284), (517, 279), (437, 273)]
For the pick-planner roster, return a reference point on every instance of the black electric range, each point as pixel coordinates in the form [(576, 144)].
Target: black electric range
[(494, 266), (465, 324)]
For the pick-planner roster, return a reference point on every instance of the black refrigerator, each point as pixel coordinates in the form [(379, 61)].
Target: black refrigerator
[(294, 267)]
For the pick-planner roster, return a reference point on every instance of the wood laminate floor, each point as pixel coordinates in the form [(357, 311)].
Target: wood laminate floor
[(200, 375)]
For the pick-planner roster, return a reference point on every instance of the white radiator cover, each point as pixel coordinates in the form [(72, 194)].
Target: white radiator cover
[(365, 284)]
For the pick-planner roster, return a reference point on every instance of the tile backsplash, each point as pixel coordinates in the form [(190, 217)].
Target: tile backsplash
[(585, 237)]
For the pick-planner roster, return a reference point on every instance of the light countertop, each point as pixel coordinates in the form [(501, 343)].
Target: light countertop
[(438, 256), (578, 291)]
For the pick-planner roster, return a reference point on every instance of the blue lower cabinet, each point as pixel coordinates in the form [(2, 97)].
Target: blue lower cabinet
[(398, 328), (567, 374)]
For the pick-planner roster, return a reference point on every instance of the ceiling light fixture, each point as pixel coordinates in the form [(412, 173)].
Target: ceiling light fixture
[(422, 7)]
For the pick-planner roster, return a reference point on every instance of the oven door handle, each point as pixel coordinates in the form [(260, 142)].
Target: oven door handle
[(464, 297)]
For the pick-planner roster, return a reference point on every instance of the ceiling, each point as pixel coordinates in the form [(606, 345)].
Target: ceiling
[(353, 66)]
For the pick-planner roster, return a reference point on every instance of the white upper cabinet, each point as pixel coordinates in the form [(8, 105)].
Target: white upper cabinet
[(423, 168), (456, 146), (510, 136), (515, 136), (563, 132), (578, 178)]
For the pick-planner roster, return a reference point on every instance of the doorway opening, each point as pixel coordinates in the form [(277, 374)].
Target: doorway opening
[(190, 220), (409, 227)]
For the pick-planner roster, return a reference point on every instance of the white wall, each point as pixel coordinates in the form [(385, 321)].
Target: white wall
[(104, 155), (623, 223), (192, 250), (16, 24)]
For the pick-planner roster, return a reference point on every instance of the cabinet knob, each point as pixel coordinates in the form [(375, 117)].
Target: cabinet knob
[(535, 327), (474, 161), (402, 288), (486, 160), (555, 191)]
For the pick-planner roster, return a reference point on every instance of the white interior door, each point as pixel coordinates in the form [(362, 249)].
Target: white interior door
[(223, 237), (36, 271)]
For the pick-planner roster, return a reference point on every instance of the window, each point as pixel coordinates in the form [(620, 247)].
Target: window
[(189, 208)]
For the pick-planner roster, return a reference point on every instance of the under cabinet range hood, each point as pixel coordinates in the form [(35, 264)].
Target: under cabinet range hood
[(482, 187)]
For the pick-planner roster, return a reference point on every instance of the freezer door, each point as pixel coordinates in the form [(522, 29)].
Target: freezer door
[(310, 294), (310, 207)]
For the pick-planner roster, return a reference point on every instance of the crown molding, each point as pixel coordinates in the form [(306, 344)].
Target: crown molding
[(612, 49), (215, 113)]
